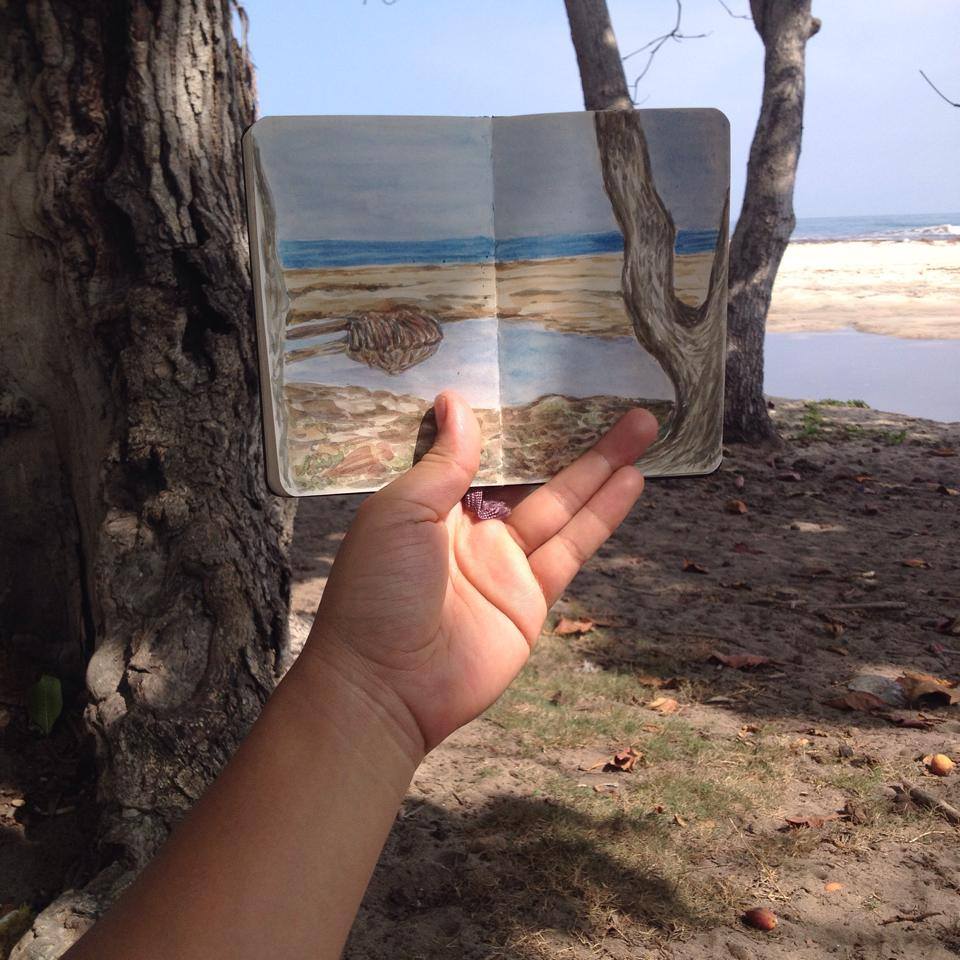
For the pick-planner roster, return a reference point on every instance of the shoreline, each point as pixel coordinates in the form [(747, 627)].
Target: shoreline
[(908, 289)]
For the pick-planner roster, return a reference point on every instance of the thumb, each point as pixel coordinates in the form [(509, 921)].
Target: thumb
[(439, 480)]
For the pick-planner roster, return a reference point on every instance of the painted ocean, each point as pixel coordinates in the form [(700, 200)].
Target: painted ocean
[(313, 254)]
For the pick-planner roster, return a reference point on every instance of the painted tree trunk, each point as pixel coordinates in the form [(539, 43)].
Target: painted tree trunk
[(686, 341), (130, 407), (767, 219)]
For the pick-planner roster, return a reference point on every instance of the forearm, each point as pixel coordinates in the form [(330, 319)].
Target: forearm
[(275, 858)]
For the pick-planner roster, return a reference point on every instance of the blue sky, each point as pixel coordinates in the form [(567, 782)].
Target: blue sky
[(877, 139)]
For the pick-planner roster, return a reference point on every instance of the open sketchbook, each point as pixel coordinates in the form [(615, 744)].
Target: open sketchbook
[(556, 269)]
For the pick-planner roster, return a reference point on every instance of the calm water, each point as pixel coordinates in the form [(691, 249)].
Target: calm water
[(532, 362), (917, 377)]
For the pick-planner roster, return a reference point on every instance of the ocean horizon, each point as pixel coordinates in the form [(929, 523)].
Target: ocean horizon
[(307, 254), (313, 254)]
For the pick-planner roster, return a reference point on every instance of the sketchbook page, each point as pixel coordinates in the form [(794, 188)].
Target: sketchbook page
[(580, 344), (384, 229)]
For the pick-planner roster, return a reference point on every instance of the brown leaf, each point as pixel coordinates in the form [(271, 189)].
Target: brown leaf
[(857, 700), (862, 477), (678, 820), (790, 475), (565, 627), (736, 506), (924, 690), (557, 698), (917, 563), (664, 705), (739, 661), (658, 683), (835, 628), (736, 585), (746, 548), (814, 821), (690, 567), (948, 491), (943, 452), (918, 722), (760, 918), (622, 762), (739, 482)]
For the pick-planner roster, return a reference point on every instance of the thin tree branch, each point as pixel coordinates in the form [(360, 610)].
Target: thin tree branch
[(736, 16), (654, 47), (938, 91)]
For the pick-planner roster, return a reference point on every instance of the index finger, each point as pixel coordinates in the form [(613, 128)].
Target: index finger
[(553, 506)]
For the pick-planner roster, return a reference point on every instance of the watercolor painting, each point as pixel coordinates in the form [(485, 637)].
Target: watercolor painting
[(397, 256)]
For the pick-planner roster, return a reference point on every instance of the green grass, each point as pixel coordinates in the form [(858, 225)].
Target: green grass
[(861, 404)]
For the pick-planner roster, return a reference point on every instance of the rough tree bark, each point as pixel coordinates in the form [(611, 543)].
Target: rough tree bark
[(151, 549), (686, 341), (766, 220)]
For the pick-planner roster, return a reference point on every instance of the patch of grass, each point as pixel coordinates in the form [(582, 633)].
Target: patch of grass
[(811, 427), (892, 438), (829, 402)]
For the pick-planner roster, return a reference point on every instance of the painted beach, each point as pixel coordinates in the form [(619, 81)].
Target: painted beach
[(519, 327)]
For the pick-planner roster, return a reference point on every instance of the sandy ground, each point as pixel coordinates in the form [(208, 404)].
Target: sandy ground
[(512, 844), (907, 289)]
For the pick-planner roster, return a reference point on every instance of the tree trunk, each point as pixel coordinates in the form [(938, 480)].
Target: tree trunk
[(767, 218), (152, 550), (686, 341)]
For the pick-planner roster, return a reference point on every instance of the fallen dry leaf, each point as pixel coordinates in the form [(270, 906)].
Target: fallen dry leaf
[(943, 452), (678, 820), (925, 690), (736, 506), (658, 683), (790, 475), (832, 887), (736, 585), (814, 821), (557, 698), (565, 627), (918, 563), (857, 700), (746, 548), (918, 722), (690, 567), (622, 762), (739, 482), (948, 491), (739, 661), (664, 705), (760, 918), (605, 788)]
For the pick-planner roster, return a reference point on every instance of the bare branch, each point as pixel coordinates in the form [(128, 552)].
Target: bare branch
[(736, 16), (654, 47), (938, 91)]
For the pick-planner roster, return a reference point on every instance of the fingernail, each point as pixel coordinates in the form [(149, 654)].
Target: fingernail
[(440, 411)]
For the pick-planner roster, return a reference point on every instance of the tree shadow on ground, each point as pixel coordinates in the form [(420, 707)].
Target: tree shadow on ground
[(505, 881)]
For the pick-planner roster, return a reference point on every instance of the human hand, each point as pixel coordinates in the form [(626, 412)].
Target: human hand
[(434, 613)]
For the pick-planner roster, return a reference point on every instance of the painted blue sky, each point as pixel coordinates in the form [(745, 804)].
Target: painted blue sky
[(428, 178), (876, 140)]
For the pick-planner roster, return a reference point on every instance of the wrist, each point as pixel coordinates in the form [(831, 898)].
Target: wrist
[(334, 687)]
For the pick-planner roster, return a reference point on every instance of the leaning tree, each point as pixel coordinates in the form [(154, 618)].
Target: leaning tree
[(671, 331), (143, 537)]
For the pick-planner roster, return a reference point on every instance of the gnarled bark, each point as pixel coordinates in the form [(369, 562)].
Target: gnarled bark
[(767, 219), (686, 341), (128, 348)]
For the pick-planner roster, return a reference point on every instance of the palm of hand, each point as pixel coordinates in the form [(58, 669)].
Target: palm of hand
[(442, 610)]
